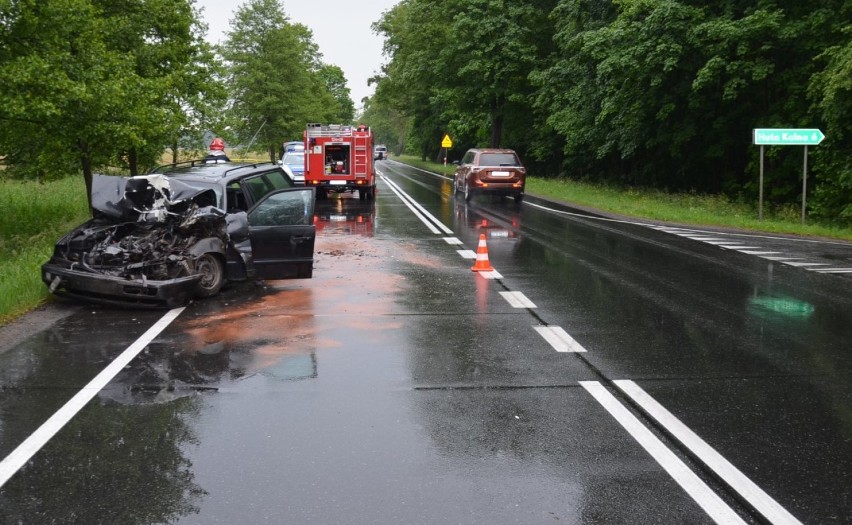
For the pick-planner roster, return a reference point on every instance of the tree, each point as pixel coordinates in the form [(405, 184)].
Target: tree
[(335, 82), (831, 91), (94, 82), (664, 93), (275, 76), (462, 67), (411, 83)]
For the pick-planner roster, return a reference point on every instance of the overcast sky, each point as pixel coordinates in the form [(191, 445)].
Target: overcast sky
[(341, 30)]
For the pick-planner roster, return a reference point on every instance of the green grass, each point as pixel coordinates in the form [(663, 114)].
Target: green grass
[(680, 208), (34, 216)]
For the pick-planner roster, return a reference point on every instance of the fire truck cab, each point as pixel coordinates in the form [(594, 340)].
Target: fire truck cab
[(339, 159)]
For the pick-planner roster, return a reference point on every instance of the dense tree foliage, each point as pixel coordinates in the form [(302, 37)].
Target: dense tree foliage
[(111, 84), (656, 93), (96, 83)]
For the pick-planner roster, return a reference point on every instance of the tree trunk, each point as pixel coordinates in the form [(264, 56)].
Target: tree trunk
[(496, 127), (133, 160), (86, 163)]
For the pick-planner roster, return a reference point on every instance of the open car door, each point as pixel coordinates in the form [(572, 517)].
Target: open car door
[(282, 234)]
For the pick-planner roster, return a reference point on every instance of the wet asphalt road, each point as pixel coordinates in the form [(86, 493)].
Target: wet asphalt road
[(398, 386)]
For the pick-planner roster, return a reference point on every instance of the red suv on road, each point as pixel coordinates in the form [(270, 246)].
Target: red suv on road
[(495, 171)]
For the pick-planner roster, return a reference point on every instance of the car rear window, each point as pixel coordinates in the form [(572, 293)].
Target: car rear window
[(499, 159), (294, 158)]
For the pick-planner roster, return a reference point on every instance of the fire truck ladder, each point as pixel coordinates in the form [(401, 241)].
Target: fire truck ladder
[(361, 159)]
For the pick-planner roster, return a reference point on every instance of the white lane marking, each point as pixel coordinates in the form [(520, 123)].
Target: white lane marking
[(559, 339), (407, 198), (738, 481), (712, 504), (467, 254), (453, 241), (803, 264), (416, 213), (704, 239), (26, 450), (833, 270), (781, 259), (517, 300), (739, 247), (749, 252), (494, 274)]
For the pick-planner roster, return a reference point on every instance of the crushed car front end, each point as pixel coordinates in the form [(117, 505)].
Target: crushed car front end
[(139, 249)]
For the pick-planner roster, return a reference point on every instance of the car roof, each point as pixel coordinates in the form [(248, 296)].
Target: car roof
[(493, 150), (214, 172)]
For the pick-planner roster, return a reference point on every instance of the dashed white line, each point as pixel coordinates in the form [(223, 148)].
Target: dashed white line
[(803, 264), (517, 300), (26, 450), (453, 241), (559, 339), (494, 274), (750, 252), (833, 270), (704, 239), (708, 500), (467, 254), (738, 481)]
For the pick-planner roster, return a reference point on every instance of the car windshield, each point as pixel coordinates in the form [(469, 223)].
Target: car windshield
[(294, 159), (217, 189), (499, 159)]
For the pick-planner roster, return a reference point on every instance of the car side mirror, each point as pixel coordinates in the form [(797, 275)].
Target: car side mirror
[(456, 163)]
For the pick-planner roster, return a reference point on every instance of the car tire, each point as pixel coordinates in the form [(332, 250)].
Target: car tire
[(212, 272), (467, 193), (518, 198)]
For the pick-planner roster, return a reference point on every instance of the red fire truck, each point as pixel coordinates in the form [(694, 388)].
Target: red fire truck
[(339, 159)]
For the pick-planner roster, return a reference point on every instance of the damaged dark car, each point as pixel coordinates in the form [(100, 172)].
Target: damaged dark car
[(162, 239)]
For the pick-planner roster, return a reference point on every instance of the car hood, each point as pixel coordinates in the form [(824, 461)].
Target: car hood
[(143, 198)]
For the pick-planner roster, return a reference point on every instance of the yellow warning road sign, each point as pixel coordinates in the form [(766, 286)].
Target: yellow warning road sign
[(447, 142)]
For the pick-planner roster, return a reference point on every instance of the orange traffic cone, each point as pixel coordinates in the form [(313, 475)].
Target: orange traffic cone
[(482, 264)]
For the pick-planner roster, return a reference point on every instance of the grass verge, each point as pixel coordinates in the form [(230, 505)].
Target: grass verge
[(680, 208), (34, 216)]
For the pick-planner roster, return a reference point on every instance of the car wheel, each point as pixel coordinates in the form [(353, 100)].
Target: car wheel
[(362, 194), (518, 198), (467, 193), (212, 272)]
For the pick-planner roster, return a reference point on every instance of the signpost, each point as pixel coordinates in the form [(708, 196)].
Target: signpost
[(447, 143), (786, 137)]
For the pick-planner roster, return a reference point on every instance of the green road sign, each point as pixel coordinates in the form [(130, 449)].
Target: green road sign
[(787, 137)]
